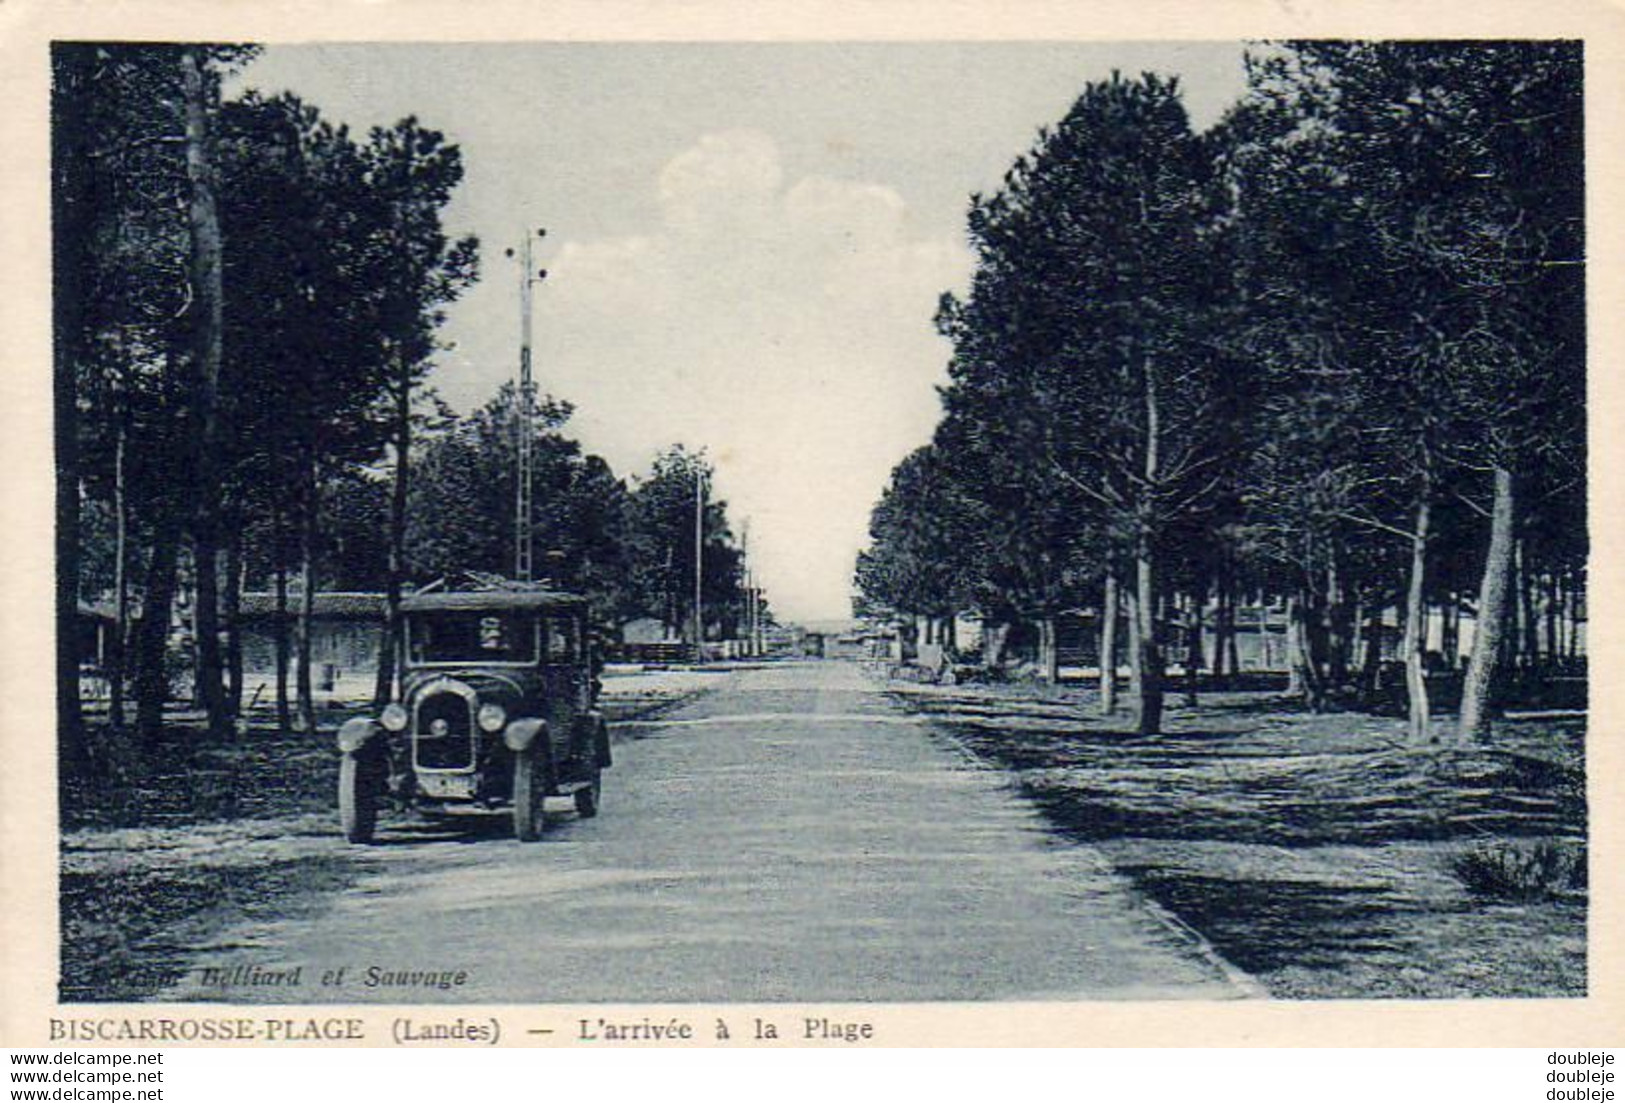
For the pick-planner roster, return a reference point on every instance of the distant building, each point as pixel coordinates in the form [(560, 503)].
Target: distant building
[(1259, 642), (346, 633), (640, 630), (856, 644)]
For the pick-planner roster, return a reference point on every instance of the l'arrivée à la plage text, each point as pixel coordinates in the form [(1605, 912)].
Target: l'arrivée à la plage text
[(806, 1028)]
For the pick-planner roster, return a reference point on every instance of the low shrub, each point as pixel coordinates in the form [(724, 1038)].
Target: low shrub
[(969, 674), (1522, 872)]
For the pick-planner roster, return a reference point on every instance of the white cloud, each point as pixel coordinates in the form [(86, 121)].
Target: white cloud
[(727, 181), (786, 328), (844, 215)]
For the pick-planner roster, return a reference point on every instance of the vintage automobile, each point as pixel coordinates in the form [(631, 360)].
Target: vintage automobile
[(495, 712)]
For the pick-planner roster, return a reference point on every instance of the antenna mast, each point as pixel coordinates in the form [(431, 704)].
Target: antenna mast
[(524, 506), (699, 561)]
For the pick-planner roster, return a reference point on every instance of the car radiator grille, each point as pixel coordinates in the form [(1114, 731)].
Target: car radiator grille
[(455, 749)]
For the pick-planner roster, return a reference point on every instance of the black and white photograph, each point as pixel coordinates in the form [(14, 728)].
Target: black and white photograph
[(819, 523)]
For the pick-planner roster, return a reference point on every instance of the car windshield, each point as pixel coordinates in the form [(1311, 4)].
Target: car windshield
[(472, 637)]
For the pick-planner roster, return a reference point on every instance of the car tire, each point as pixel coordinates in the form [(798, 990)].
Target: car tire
[(589, 795), (358, 800), (530, 786)]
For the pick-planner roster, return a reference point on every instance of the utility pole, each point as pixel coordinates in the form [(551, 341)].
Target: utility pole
[(750, 592), (524, 505), (699, 561), (758, 646)]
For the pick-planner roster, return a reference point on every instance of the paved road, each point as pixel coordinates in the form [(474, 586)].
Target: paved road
[(792, 836)]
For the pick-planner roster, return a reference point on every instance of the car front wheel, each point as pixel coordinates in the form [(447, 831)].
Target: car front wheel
[(530, 785), (358, 800)]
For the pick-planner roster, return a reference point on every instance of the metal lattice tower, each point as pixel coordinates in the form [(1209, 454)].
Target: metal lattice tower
[(524, 506)]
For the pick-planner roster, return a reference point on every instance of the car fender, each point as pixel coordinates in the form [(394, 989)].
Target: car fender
[(522, 734), (357, 733)]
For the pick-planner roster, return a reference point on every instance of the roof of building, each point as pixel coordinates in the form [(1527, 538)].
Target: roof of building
[(481, 600), (333, 604)]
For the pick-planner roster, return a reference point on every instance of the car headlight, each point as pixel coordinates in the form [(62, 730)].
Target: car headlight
[(394, 717), (492, 717)]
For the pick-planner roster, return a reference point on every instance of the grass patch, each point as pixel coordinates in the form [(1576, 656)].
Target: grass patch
[(190, 777), (128, 936), (1319, 853)]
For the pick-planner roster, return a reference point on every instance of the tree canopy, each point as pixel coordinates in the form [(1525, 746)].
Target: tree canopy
[(1330, 351)]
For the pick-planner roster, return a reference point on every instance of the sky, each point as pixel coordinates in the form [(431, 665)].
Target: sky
[(746, 243)]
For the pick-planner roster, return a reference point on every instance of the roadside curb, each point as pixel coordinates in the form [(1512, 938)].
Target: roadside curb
[(1247, 986)]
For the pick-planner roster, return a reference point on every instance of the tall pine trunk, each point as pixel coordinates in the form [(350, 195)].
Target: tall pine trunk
[(1415, 637), (204, 224), (1491, 614), (1148, 688), (1530, 615), (231, 601), (72, 234), (1371, 658), (1573, 594), (305, 719), (121, 584), (994, 636), (1312, 644), (282, 644), (1297, 681), (1193, 648), (1450, 630), (1108, 647), (1128, 595), (1049, 656), (1554, 647), (152, 636), (1338, 630), (1232, 647), (1224, 628)]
